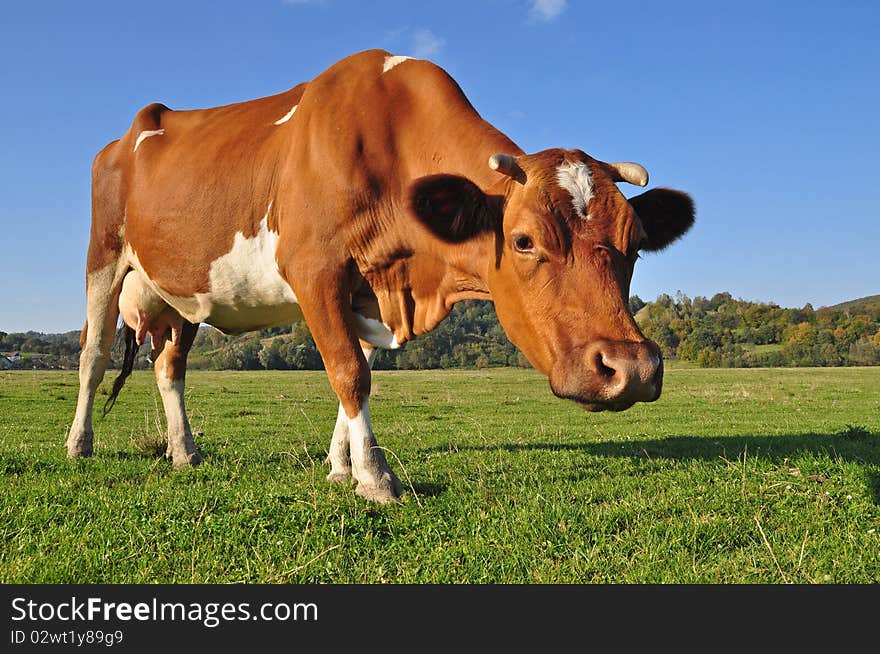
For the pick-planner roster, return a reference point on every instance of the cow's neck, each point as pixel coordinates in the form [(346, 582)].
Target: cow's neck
[(413, 293), (417, 278)]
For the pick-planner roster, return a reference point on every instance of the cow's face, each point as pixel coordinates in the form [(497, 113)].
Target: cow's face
[(566, 241)]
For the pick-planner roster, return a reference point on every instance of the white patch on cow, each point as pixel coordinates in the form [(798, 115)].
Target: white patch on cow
[(171, 392), (392, 61), (360, 431), (575, 178), (375, 332), (248, 274), (361, 441), (147, 133), (246, 289), (339, 457), (366, 466), (287, 116)]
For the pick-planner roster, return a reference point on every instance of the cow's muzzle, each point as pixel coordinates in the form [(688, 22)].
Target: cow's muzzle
[(609, 375)]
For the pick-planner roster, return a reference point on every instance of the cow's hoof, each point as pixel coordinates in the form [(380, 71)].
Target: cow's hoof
[(79, 452), (80, 446), (186, 461), (340, 476), (388, 489)]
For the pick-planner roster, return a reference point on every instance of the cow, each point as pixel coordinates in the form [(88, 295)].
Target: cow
[(367, 201)]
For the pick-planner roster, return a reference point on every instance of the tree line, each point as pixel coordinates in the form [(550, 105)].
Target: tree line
[(470, 337), (726, 332), (716, 332)]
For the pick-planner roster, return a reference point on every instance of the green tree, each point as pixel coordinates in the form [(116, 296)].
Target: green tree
[(272, 357)]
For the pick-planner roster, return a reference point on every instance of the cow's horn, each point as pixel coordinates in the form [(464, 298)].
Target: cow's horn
[(634, 173), (506, 164)]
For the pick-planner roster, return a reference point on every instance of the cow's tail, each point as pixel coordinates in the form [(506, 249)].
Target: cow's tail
[(127, 366)]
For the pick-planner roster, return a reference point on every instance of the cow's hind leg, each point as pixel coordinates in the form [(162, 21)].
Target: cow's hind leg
[(102, 292), (170, 368), (105, 269), (339, 456)]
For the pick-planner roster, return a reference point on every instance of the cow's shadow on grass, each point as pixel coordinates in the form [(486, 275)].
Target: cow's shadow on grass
[(852, 444), (428, 488)]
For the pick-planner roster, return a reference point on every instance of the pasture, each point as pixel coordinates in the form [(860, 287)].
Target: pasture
[(734, 476)]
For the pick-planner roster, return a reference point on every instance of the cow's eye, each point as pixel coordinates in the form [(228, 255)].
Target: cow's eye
[(523, 243)]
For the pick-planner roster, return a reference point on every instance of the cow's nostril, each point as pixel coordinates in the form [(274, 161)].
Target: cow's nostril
[(602, 367)]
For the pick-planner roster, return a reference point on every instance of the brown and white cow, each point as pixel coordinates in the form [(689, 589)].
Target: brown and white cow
[(367, 201)]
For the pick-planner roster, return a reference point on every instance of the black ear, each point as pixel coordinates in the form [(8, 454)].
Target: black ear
[(452, 207), (665, 215)]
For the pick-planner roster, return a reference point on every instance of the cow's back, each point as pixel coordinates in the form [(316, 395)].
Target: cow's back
[(197, 178), (375, 122)]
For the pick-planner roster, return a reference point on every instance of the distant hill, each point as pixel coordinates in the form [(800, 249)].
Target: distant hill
[(861, 305)]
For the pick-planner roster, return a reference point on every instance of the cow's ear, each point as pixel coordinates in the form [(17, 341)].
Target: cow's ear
[(665, 215), (452, 207)]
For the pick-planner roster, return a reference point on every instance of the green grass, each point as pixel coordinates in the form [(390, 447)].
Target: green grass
[(734, 476), (763, 349)]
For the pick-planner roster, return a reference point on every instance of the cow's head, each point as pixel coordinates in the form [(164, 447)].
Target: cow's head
[(565, 244)]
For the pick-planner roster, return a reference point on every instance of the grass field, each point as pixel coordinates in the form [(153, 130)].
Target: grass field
[(734, 476)]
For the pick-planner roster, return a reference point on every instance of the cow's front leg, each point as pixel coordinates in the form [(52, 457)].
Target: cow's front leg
[(368, 466), (375, 479), (326, 305), (354, 452), (339, 456)]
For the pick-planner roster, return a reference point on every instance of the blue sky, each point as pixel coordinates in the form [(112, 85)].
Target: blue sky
[(766, 112)]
